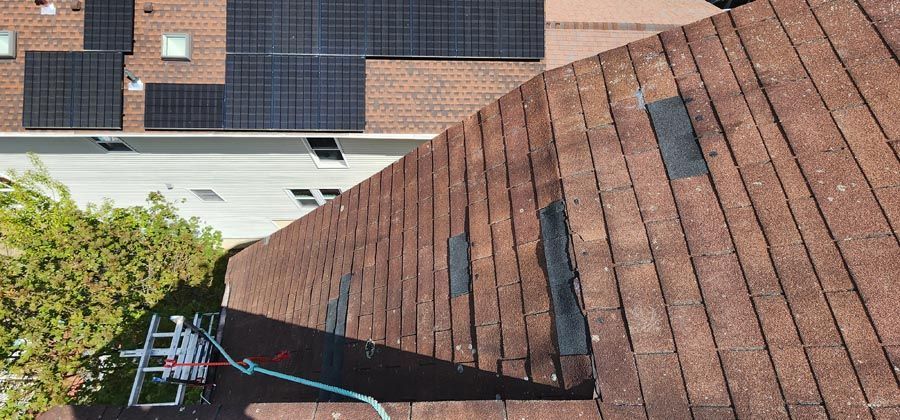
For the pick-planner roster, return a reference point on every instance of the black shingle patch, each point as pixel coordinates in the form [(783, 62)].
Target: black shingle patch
[(335, 329), (460, 278), (571, 326), (337, 310), (677, 142), (340, 327), (330, 375)]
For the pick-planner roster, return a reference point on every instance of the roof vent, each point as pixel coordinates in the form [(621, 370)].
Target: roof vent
[(208, 195)]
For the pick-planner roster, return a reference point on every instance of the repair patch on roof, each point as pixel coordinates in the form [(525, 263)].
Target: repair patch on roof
[(680, 151), (571, 326), (460, 273)]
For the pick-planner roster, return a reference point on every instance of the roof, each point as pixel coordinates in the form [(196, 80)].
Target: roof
[(402, 96), (740, 265)]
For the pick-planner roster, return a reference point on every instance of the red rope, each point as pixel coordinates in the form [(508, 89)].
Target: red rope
[(282, 355)]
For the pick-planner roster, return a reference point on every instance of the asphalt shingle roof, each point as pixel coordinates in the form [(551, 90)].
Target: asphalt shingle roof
[(762, 288), (765, 288)]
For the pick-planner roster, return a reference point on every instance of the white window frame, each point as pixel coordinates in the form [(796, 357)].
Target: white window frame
[(343, 164), (10, 55), (192, 189), (316, 194), (101, 139), (188, 49)]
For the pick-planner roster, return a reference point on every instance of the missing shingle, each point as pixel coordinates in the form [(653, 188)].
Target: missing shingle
[(571, 326), (460, 274), (677, 142)]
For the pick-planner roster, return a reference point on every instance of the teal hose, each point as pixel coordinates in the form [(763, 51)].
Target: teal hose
[(252, 368)]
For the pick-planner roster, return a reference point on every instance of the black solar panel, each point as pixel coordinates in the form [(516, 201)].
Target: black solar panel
[(73, 90), (46, 90), (248, 92), (250, 26), (184, 106), (343, 27), (389, 28), (109, 25), (296, 29), (96, 85), (341, 93), (295, 92)]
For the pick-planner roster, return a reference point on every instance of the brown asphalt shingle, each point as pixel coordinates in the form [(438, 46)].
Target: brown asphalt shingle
[(762, 288)]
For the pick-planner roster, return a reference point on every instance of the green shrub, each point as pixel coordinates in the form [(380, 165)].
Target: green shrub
[(79, 284)]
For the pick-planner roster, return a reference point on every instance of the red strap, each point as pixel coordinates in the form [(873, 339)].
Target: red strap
[(280, 356)]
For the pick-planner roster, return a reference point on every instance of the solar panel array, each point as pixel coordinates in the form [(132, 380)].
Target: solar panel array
[(109, 25), (299, 64), (295, 92), (398, 28), (184, 106), (73, 90)]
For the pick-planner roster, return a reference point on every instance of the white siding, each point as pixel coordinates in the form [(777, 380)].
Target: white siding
[(251, 174)]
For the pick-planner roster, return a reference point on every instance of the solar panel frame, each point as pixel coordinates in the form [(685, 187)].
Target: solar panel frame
[(109, 25), (184, 106)]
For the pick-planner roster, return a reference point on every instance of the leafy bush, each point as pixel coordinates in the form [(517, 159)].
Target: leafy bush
[(77, 284)]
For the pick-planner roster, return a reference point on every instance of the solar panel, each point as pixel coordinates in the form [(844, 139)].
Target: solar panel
[(46, 90), (389, 28), (341, 94), (343, 27), (96, 86), (249, 26), (73, 90), (109, 25), (295, 102), (248, 91), (184, 106), (295, 28), (295, 92)]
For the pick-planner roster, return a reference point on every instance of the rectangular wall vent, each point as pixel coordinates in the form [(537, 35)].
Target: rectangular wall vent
[(208, 195)]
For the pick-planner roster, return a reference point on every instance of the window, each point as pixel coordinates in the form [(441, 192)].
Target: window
[(305, 199), (113, 144), (208, 195), (309, 199), (176, 47), (7, 44), (326, 152)]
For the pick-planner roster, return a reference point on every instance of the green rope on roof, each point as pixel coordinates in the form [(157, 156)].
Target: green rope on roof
[(252, 368)]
